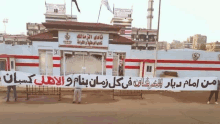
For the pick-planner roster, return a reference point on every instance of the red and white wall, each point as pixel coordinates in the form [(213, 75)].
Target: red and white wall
[(208, 64)]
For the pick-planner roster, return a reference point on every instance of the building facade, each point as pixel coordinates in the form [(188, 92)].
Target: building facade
[(199, 41), (123, 18), (176, 45), (16, 39), (57, 12), (214, 46), (144, 39), (162, 45), (190, 39), (187, 44), (91, 48), (34, 29)]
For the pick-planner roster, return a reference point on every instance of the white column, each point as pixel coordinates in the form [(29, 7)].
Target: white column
[(64, 64), (46, 62)]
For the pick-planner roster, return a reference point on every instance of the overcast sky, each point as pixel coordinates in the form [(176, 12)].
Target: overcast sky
[(179, 18)]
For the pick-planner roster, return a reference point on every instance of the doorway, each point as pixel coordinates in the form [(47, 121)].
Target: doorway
[(118, 64), (46, 62), (149, 70), (84, 63)]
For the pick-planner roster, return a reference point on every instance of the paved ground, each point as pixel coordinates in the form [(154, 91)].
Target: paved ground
[(99, 108)]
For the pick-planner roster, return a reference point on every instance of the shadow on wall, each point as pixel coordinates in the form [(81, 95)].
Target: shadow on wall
[(169, 74)]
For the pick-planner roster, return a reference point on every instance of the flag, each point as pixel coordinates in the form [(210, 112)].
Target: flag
[(105, 2), (76, 4)]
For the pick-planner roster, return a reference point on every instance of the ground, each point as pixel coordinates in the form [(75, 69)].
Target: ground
[(156, 107)]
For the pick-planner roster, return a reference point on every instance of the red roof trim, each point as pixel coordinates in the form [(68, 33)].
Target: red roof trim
[(81, 25), (46, 36), (117, 39)]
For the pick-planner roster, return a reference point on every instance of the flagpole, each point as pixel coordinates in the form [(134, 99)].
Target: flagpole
[(158, 28), (113, 8), (71, 9), (99, 12)]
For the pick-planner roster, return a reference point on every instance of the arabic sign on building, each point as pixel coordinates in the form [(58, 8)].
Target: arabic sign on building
[(83, 39), (110, 82), (123, 13), (89, 39)]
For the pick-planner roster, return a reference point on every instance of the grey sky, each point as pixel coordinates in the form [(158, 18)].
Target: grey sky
[(179, 18)]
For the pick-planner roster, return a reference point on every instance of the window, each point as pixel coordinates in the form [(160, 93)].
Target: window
[(149, 68), (12, 64), (2, 65), (56, 10)]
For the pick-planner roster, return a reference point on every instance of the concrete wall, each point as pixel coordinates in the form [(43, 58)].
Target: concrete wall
[(43, 45), (181, 54), (20, 50)]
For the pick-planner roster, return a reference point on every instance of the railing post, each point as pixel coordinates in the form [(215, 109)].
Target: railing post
[(113, 94)]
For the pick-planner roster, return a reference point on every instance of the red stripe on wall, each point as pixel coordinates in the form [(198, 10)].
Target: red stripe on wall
[(143, 69), (188, 68), (109, 66), (19, 56), (109, 59), (56, 65), (8, 63), (56, 58), (172, 61), (188, 61), (27, 64), (132, 67), (133, 60), (26, 57)]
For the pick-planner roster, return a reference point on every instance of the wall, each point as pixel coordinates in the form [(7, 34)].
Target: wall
[(20, 50), (178, 54), (43, 45)]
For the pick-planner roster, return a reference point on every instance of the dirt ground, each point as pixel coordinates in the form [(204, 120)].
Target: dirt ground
[(98, 107)]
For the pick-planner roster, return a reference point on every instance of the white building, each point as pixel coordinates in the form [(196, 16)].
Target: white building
[(91, 48)]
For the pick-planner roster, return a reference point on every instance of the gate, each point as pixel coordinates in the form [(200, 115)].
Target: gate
[(46, 62), (84, 63)]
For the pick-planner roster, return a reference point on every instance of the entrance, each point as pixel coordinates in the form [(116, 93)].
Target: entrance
[(149, 70), (46, 62), (84, 63), (118, 64)]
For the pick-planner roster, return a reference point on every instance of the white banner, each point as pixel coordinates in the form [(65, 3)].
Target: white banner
[(110, 82)]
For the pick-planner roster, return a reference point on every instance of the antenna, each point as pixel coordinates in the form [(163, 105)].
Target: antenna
[(5, 20)]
